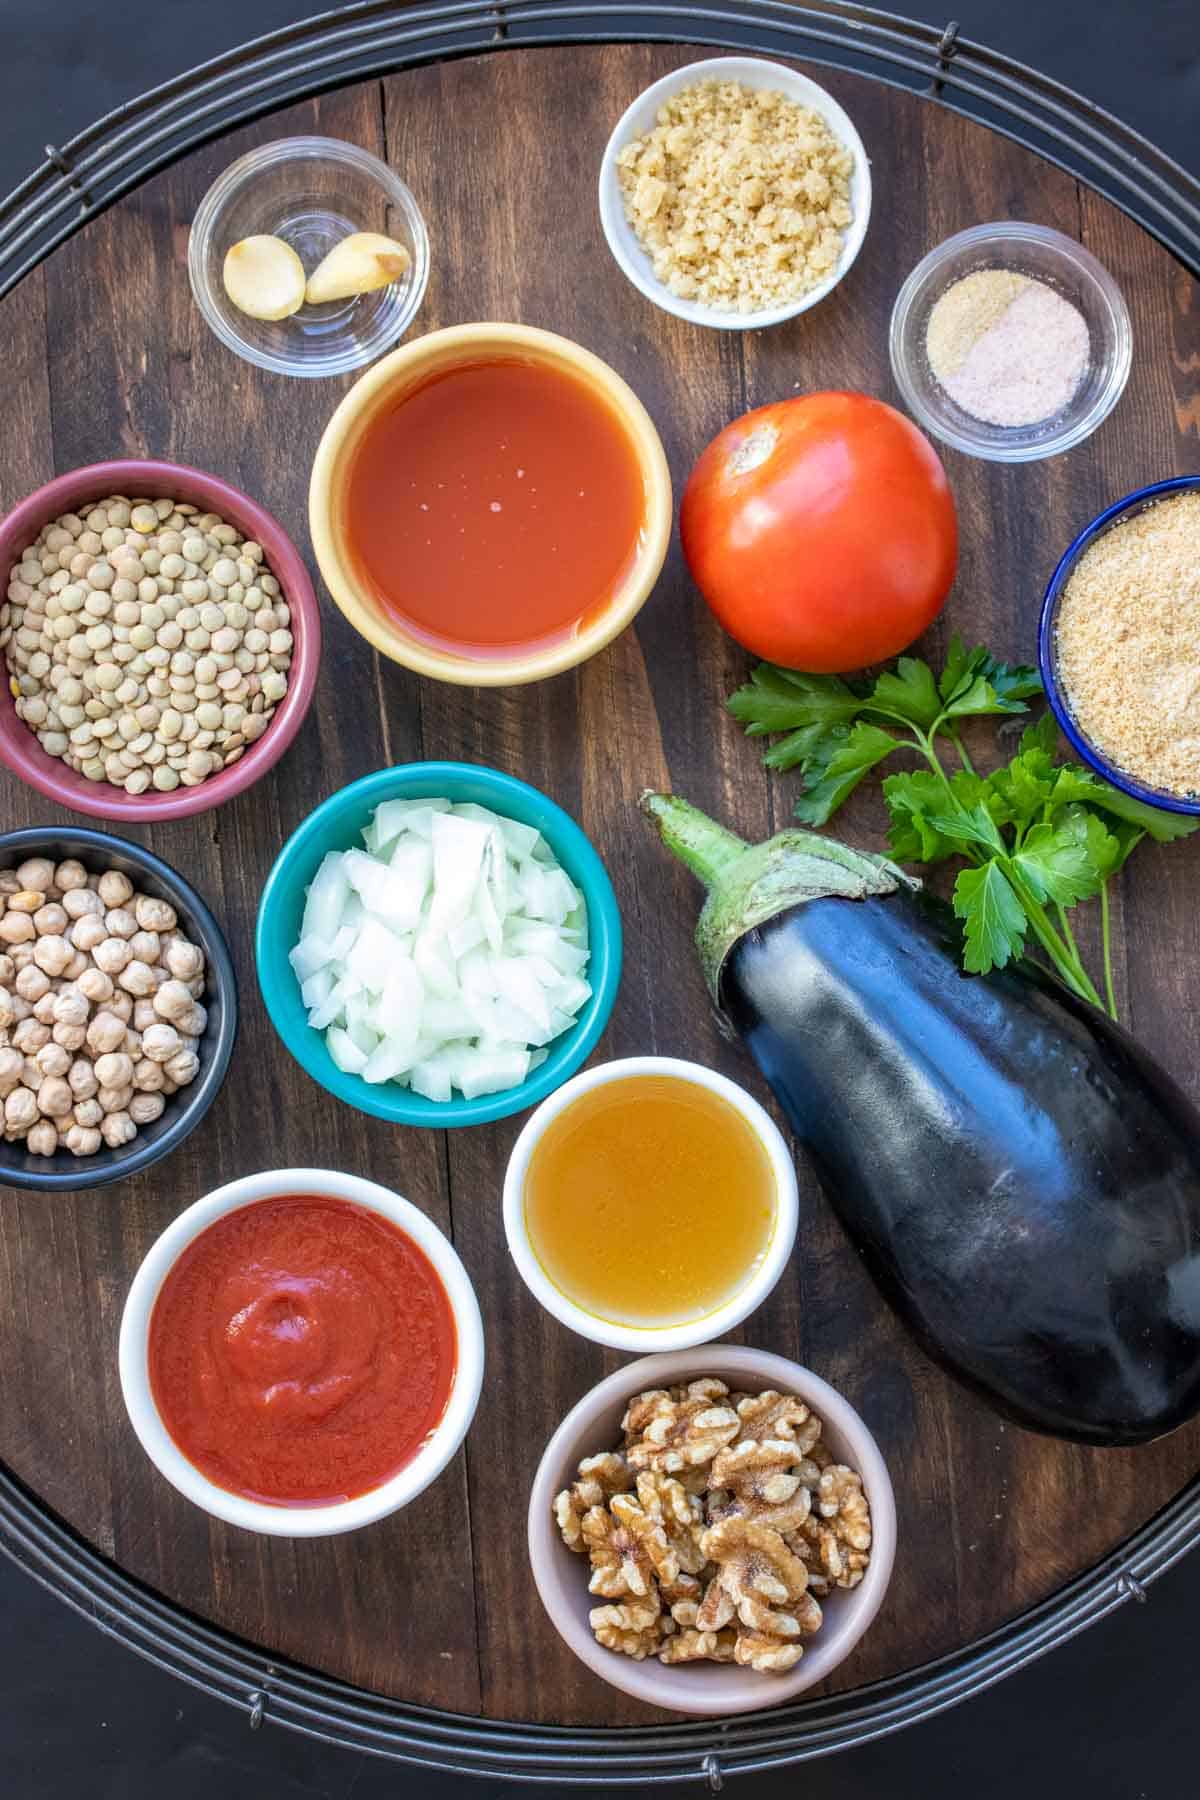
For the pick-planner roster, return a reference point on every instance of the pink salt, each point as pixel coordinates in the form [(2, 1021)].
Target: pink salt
[(1026, 367)]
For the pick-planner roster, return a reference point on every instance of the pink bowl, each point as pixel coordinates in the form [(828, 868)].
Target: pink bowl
[(712, 1690), (19, 747)]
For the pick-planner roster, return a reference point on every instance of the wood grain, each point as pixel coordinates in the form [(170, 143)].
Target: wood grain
[(107, 355)]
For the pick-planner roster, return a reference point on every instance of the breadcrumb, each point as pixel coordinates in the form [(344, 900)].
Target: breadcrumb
[(739, 196), (1128, 645)]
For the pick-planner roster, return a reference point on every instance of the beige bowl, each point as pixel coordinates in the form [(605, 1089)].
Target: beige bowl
[(414, 364), (560, 1575)]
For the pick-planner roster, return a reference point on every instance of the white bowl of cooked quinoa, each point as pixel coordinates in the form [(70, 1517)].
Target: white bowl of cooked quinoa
[(735, 193)]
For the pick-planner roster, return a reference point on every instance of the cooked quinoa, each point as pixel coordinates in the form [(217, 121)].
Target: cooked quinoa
[(1128, 644), (739, 196)]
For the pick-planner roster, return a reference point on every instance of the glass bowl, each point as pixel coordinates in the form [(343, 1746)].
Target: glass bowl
[(1114, 515), (1043, 255), (311, 192)]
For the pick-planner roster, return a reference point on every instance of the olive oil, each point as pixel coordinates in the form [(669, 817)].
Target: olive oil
[(649, 1200)]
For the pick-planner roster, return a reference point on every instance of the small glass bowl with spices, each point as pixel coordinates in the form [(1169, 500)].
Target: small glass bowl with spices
[(1119, 644), (1010, 342)]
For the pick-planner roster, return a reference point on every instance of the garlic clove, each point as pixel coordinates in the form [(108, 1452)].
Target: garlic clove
[(361, 262), (264, 278)]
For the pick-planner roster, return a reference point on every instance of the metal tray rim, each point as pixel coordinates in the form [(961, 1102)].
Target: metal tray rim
[(74, 185)]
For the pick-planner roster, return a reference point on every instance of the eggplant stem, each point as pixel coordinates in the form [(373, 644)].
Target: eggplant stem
[(698, 841)]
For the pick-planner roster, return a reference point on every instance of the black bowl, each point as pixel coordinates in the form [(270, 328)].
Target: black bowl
[(96, 850)]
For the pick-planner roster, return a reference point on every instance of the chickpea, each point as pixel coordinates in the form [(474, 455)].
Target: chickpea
[(17, 928), (172, 1000), (185, 960), (114, 1069), (120, 921), (75, 968), (70, 874), (21, 955), (138, 979), (117, 1129), (81, 1079), (83, 1140), (181, 1068), (75, 1003), (154, 915), (105, 1032), (52, 1059), (32, 983), (37, 872), (121, 1006), (85, 902), (51, 920), (31, 1075), (52, 954), (145, 946), (193, 1022), (160, 1042), (27, 901), (114, 1099), (144, 1014), (55, 1098), (71, 1037), (114, 888), (87, 1110), (7, 1013), (148, 1076), (87, 932), (42, 1139), (29, 1036), (145, 1108), (20, 1110), (11, 1064), (111, 955)]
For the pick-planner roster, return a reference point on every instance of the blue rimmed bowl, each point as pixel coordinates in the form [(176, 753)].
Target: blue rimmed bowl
[(1113, 515), (337, 825)]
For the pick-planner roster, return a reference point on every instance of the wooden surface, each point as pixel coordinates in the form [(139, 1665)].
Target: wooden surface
[(107, 356)]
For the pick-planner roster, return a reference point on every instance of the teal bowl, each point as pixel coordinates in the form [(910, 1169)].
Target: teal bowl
[(336, 825)]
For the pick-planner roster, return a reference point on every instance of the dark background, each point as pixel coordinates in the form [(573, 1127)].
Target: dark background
[(1112, 1714)]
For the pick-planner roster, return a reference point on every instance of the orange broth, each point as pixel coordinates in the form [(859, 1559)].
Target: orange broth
[(495, 506)]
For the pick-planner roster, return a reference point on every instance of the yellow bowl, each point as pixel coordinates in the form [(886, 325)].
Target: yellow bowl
[(412, 365)]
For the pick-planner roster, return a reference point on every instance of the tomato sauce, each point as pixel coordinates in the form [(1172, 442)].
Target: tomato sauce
[(496, 506), (301, 1350)]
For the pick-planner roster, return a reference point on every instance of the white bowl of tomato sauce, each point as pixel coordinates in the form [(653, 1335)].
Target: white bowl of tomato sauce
[(301, 1352), (490, 504)]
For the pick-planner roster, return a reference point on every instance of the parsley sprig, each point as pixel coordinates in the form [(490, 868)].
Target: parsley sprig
[(1038, 835)]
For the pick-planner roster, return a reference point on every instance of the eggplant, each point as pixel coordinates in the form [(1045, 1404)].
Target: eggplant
[(1021, 1178)]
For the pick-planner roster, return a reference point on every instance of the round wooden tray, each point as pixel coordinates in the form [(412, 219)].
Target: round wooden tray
[(435, 1608)]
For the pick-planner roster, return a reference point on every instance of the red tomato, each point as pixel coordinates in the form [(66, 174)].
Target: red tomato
[(821, 531)]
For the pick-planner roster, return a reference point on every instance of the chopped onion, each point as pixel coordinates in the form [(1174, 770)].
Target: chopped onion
[(446, 954)]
